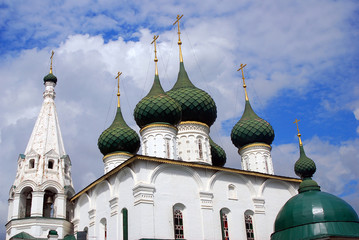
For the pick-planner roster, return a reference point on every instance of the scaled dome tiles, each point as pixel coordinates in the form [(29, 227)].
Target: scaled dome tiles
[(196, 104), (119, 137), (251, 129), (157, 107)]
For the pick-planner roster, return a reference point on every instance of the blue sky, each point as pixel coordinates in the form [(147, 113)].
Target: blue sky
[(302, 62)]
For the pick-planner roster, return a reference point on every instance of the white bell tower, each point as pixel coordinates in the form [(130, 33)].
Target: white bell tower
[(39, 198)]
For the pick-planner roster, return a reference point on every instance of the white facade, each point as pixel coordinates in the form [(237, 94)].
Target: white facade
[(39, 199), (193, 142), (159, 140), (151, 189), (257, 157)]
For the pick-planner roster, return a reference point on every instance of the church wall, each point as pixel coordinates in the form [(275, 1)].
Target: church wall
[(150, 190)]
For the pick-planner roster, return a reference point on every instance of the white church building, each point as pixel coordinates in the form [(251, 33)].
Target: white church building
[(176, 188)]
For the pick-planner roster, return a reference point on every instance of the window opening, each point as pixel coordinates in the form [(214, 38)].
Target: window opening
[(32, 163), (28, 204), (178, 224), (168, 148), (224, 224), (249, 227), (50, 164), (200, 152), (48, 206)]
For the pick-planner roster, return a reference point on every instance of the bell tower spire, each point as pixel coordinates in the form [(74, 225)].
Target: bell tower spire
[(43, 184)]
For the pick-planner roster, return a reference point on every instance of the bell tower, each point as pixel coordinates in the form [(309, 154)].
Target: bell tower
[(39, 198)]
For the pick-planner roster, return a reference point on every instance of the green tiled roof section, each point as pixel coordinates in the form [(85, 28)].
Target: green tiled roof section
[(218, 154), (157, 107), (315, 213), (196, 104), (251, 129), (119, 137), (22, 235), (50, 78), (183, 79)]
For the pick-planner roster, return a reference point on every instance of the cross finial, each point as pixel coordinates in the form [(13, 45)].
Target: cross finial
[(179, 36), (244, 83), (156, 60), (118, 88), (52, 56), (300, 140)]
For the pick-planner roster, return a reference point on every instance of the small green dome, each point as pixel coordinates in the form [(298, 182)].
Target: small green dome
[(196, 104), (50, 78), (304, 166), (218, 154), (157, 106), (251, 129), (314, 214), (118, 137)]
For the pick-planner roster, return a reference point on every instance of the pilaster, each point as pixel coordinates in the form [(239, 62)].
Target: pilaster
[(37, 203)]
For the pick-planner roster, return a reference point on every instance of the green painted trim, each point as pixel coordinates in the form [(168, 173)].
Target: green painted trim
[(220, 218), (125, 223)]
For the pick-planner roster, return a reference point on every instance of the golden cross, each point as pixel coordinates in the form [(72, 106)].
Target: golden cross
[(118, 88), (244, 83), (52, 56), (156, 60), (179, 35), (300, 140)]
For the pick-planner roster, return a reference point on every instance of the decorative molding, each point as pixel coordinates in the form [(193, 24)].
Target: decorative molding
[(143, 193), (113, 206), (206, 200), (92, 215), (259, 205)]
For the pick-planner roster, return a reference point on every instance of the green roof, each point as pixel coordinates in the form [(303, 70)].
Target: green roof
[(313, 214), (157, 106), (251, 129), (50, 78), (22, 235), (196, 104), (119, 137), (218, 154)]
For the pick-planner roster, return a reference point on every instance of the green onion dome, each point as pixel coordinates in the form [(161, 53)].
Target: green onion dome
[(156, 107), (50, 78), (218, 154), (119, 137), (196, 104), (313, 214), (251, 129)]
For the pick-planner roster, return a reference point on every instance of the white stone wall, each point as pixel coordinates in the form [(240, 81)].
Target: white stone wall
[(150, 190), (193, 142), (257, 157), (159, 140)]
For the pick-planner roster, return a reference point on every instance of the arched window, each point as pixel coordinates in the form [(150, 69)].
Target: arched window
[(178, 221), (32, 163), (124, 224), (248, 220), (232, 192), (103, 229), (48, 204), (25, 203), (50, 164), (168, 148), (224, 223), (200, 151)]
